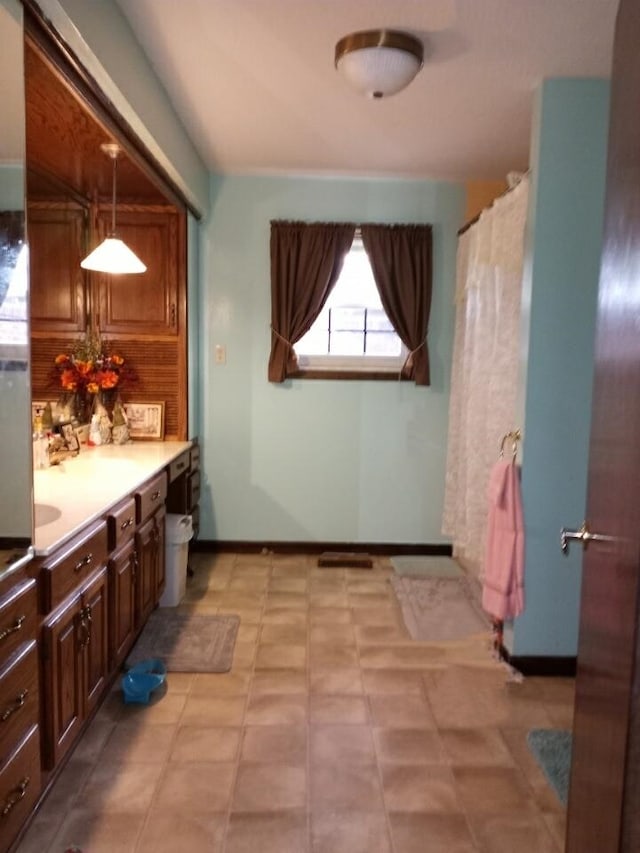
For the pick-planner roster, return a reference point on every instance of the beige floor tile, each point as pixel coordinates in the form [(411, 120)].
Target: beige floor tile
[(277, 744), (283, 681), (205, 743), (337, 744), (475, 746), (93, 740), (506, 833), (196, 787), (244, 655), (213, 711), (292, 570), (356, 832), (42, 831), (163, 708), (330, 615), (408, 746), (220, 684), (345, 788), (120, 787), (545, 796), (274, 832), (278, 655), (370, 600), (331, 708), (332, 635), (250, 583), (493, 790), (376, 635), (248, 633), (284, 633), (139, 743), (327, 583), (409, 711), (67, 789), (99, 832), (328, 599), (269, 787), (431, 833), (411, 788), (276, 615), (368, 587), (234, 601), (272, 709), (379, 616), (326, 655), (287, 600), (347, 680), (399, 656), (392, 682), (248, 615), (195, 833), (288, 584), (557, 825)]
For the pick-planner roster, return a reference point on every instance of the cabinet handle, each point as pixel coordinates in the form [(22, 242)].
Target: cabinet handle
[(17, 703), (17, 625), (155, 496), (15, 796), (134, 571), (173, 313), (126, 523), (82, 563), (180, 465)]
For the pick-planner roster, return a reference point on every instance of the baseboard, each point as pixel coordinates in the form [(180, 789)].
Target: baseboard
[(541, 664), (381, 549)]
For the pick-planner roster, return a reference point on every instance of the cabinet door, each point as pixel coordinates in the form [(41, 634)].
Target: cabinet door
[(160, 567), (122, 601), (56, 247), (63, 681), (94, 639), (146, 546), (145, 303)]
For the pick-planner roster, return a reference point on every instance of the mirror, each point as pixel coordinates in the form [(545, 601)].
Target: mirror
[(15, 392)]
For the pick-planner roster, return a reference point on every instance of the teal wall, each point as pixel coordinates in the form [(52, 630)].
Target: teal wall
[(565, 232), (341, 461)]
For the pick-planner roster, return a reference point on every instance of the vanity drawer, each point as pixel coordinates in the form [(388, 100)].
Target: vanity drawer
[(121, 522), (19, 787), (18, 617), (179, 466), (195, 457), (19, 706), (73, 564), (150, 496), (193, 490)]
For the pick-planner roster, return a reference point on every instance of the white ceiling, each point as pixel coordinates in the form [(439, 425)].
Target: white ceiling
[(254, 84)]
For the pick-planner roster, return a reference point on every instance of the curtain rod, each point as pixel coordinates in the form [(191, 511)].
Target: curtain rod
[(473, 221)]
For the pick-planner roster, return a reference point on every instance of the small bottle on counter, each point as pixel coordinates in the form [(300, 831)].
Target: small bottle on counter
[(95, 437)]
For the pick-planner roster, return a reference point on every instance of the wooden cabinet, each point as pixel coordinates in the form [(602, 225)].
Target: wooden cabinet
[(150, 565), (20, 783), (75, 664), (146, 303), (183, 495), (56, 234), (123, 572)]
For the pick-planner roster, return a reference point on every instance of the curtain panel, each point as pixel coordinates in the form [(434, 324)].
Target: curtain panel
[(401, 260), (306, 261)]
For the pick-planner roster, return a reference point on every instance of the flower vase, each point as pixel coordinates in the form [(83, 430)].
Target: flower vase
[(108, 397)]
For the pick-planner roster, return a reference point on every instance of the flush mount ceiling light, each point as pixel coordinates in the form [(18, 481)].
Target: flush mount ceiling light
[(112, 255), (379, 63)]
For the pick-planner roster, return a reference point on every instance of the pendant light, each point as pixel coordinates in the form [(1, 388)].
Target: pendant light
[(112, 255), (379, 63)]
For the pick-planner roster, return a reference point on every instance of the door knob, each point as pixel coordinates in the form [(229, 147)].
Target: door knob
[(582, 535)]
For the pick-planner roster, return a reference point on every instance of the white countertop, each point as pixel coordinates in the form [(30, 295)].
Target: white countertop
[(81, 489)]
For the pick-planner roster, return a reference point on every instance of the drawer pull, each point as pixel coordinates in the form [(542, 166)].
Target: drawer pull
[(181, 465), (85, 626), (126, 523), (155, 496), (15, 796), (82, 563), (17, 703), (17, 625)]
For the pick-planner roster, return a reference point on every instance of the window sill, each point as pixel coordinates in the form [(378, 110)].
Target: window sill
[(347, 374)]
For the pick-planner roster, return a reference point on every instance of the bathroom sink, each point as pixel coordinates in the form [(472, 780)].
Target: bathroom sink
[(45, 514)]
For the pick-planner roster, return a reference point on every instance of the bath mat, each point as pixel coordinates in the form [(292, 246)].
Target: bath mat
[(552, 750), (438, 567), (187, 642), (437, 609)]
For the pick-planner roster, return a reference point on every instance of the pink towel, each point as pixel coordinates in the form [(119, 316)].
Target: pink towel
[(503, 589)]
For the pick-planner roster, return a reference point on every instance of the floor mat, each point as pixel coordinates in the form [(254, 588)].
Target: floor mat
[(437, 609), (552, 750), (414, 566)]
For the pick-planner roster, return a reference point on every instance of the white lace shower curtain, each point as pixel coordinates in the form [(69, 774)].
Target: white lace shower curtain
[(484, 381)]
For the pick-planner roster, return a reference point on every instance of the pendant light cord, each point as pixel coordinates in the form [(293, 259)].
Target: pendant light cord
[(113, 199)]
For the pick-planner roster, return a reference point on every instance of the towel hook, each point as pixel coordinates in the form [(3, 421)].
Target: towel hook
[(515, 436)]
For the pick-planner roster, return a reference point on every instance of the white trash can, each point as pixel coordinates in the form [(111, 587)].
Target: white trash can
[(178, 532)]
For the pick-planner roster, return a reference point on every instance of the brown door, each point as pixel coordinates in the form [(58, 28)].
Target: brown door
[(603, 813)]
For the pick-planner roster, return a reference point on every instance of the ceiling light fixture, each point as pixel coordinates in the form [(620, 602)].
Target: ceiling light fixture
[(379, 63), (112, 255)]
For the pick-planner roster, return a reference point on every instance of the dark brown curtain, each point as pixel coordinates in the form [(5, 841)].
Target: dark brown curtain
[(306, 260), (401, 260)]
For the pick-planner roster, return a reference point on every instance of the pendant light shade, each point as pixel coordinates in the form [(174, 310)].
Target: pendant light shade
[(112, 255), (379, 63)]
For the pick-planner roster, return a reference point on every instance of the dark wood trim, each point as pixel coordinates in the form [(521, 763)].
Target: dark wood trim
[(60, 54), (377, 375), (383, 549), (541, 664)]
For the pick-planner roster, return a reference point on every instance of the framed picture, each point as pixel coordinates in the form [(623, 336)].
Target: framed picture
[(68, 433), (146, 420)]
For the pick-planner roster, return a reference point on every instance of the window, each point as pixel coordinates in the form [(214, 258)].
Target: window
[(352, 331)]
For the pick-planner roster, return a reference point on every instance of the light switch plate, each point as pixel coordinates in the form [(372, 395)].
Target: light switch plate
[(220, 354)]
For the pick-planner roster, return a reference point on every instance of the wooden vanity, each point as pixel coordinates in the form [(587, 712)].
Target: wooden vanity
[(70, 616)]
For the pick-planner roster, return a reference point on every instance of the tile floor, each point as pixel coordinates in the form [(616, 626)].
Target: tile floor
[(333, 732)]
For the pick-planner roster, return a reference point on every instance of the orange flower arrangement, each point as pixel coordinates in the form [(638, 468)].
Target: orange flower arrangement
[(90, 368)]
